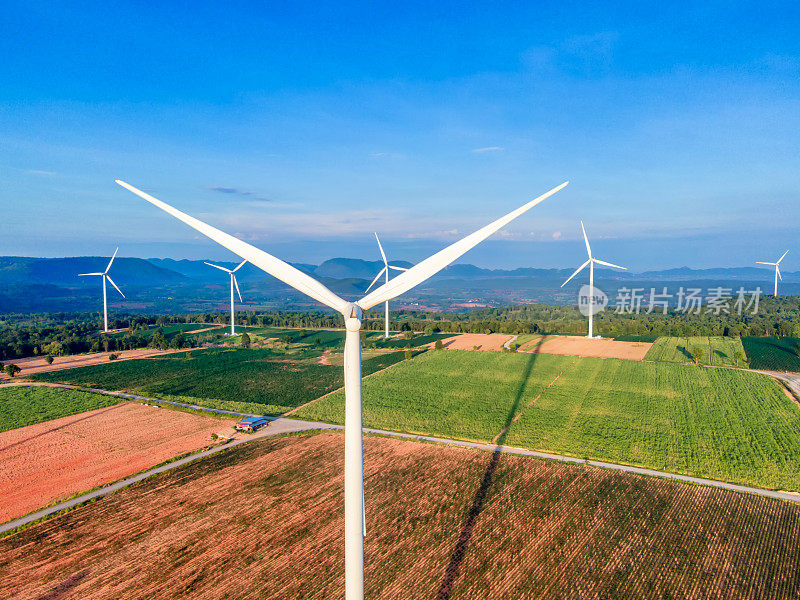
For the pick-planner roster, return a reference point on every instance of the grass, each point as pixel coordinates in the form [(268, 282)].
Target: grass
[(255, 381), (716, 351), (21, 406), (460, 394), (717, 423), (636, 338), (772, 353)]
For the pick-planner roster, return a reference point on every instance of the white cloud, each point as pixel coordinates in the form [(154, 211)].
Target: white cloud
[(40, 173), (556, 235), (487, 149)]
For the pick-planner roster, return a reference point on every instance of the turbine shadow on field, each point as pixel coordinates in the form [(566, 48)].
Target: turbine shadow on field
[(453, 569)]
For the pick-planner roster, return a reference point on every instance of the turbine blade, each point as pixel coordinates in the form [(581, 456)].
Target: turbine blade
[(217, 267), (111, 281), (758, 262), (383, 254), (781, 258), (236, 283), (578, 270), (586, 239), (266, 262), (108, 268), (87, 274), (396, 268), (383, 270), (244, 262), (433, 264), (778, 270), (608, 264)]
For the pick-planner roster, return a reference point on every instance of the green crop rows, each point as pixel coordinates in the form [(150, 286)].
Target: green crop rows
[(717, 351), (718, 423), (257, 381), (21, 406), (772, 353)]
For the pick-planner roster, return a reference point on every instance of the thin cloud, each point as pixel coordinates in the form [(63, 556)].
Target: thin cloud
[(487, 149), (40, 173), (238, 192)]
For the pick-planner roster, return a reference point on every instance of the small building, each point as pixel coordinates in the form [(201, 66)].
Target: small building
[(251, 423)]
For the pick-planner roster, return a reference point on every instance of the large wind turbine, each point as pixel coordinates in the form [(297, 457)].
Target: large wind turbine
[(777, 270), (354, 516), (105, 277), (385, 269), (591, 262), (232, 273)]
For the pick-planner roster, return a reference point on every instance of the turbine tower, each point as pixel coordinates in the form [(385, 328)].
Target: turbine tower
[(591, 262), (105, 277), (777, 270), (385, 269), (232, 273), (354, 514)]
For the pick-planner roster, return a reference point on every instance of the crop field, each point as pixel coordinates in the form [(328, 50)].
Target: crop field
[(772, 353), (716, 351), (21, 406), (722, 424), (46, 462), (442, 523), (415, 341), (461, 394), (636, 338), (258, 381)]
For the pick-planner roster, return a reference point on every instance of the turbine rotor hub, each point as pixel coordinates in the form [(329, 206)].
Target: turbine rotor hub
[(352, 318)]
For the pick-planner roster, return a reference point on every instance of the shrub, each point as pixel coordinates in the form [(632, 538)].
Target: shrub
[(113, 357), (408, 354), (439, 345), (245, 340), (12, 370), (48, 359)]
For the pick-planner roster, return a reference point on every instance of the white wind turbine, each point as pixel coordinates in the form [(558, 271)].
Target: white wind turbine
[(105, 277), (777, 270), (354, 515), (232, 273), (385, 269), (591, 262)]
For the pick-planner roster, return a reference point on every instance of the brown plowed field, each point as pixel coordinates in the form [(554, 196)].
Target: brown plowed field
[(581, 346), (484, 341), (37, 364), (264, 520), (49, 461)]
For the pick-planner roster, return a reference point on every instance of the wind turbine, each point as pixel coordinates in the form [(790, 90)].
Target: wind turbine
[(354, 515), (777, 270), (105, 277), (591, 262), (385, 269), (233, 283)]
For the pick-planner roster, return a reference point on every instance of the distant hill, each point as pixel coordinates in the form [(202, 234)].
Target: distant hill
[(64, 271)]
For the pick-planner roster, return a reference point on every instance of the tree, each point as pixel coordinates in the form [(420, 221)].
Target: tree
[(48, 359), (12, 370), (245, 340), (697, 354), (739, 357), (439, 345), (408, 354), (178, 341), (158, 340)]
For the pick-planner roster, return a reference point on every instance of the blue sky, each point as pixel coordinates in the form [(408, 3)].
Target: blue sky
[(305, 127)]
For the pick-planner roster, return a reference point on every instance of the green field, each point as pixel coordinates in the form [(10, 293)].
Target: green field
[(21, 406), (717, 351), (636, 338), (772, 353), (723, 424), (259, 381)]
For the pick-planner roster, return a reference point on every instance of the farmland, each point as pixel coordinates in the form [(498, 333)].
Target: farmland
[(470, 525), (716, 351), (261, 381), (49, 461), (772, 353), (722, 424), (21, 406)]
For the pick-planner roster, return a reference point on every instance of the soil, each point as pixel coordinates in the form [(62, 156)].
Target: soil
[(581, 346), (37, 364), (50, 461), (492, 342)]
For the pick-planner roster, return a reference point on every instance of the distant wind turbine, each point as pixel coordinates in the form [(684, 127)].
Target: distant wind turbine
[(232, 273), (777, 270), (591, 262), (354, 515), (385, 269), (105, 277)]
